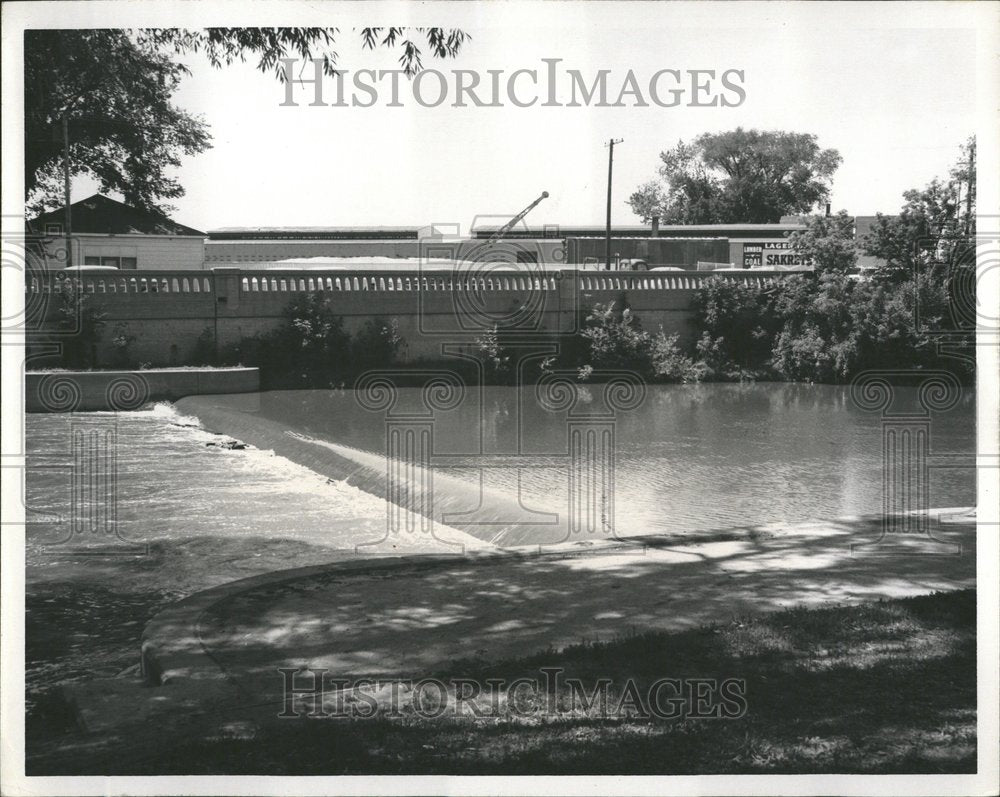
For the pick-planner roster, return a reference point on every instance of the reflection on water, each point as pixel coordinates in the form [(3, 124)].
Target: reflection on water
[(689, 459)]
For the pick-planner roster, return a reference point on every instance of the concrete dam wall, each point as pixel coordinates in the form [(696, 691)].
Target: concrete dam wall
[(87, 391)]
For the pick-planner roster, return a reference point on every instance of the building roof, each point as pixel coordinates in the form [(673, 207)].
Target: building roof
[(641, 230), (313, 233), (103, 215)]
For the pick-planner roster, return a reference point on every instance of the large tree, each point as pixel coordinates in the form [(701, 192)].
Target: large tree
[(935, 225), (827, 242), (931, 246), (116, 88), (746, 176)]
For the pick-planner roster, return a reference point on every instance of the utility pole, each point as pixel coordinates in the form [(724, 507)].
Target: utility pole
[(968, 191), (69, 211), (971, 164), (607, 230)]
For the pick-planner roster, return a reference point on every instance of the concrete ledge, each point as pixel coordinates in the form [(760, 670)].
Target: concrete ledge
[(198, 673), (173, 644), (81, 391), (177, 646)]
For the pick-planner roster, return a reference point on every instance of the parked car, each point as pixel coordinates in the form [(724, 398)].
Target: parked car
[(632, 264)]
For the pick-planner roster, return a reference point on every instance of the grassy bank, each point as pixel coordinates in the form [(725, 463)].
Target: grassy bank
[(886, 687)]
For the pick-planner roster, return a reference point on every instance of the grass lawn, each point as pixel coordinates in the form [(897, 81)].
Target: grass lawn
[(886, 687)]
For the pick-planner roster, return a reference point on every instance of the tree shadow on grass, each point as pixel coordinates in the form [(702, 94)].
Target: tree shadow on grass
[(422, 616), (878, 687)]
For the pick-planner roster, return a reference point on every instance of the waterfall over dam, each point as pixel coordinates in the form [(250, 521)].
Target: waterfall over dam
[(407, 480), (504, 466)]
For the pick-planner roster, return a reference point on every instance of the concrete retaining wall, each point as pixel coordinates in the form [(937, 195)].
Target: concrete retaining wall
[(69, 391), (168, 312)]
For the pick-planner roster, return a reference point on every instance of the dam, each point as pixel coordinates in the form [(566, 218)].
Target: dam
[(514, 466)]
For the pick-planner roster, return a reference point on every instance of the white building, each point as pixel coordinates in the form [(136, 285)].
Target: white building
[(110, 233)]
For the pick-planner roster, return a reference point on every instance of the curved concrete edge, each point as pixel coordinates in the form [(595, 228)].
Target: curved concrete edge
[(168, 657), (173, 650), (192, 693), (184, 690), (89, 391)]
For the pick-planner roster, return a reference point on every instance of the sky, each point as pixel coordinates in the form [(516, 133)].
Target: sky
[(894, 93)]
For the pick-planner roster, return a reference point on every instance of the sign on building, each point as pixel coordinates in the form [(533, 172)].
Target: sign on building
[(772, 254), (778, 254), (752, 255)]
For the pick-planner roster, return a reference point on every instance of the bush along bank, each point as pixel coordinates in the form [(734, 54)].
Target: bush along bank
[(820, 327), (826, 326)]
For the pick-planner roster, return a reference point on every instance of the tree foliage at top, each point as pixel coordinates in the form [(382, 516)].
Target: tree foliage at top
[(912, 313), (116, 88), (739, 176), (934, 225), (930, 246)]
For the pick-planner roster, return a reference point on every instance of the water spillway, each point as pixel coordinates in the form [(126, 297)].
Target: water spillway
[(451, 493), (508, 466)]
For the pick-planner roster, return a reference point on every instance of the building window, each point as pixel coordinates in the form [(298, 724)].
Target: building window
[(53, 229), (124, 263)]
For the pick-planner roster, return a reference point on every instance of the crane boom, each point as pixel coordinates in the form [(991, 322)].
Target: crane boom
[(499, 234)]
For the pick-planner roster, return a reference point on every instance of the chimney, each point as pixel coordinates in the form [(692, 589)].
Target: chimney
[(828, 210), (654, 229)]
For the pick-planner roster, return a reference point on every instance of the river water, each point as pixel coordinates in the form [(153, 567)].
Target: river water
[(189, 507), (688, 459), (129, 512)]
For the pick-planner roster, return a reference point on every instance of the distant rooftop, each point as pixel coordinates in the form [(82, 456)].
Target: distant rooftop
[(639, 230), (314, 233), (99, 214)]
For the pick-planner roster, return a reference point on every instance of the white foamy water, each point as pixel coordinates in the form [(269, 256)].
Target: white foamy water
[(171, 509), (172, 480)]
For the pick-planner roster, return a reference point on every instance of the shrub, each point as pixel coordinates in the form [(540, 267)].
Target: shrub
[(738, 325), (497, 367), (669, 364), (310, 348), (377, 345), (84, 323), (616, 341)]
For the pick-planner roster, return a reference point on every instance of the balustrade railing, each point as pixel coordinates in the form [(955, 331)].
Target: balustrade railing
[(252, 283), (148, 283)]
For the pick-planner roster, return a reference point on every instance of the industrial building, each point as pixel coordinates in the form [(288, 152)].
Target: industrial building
[(688, 246), (110, 233)]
